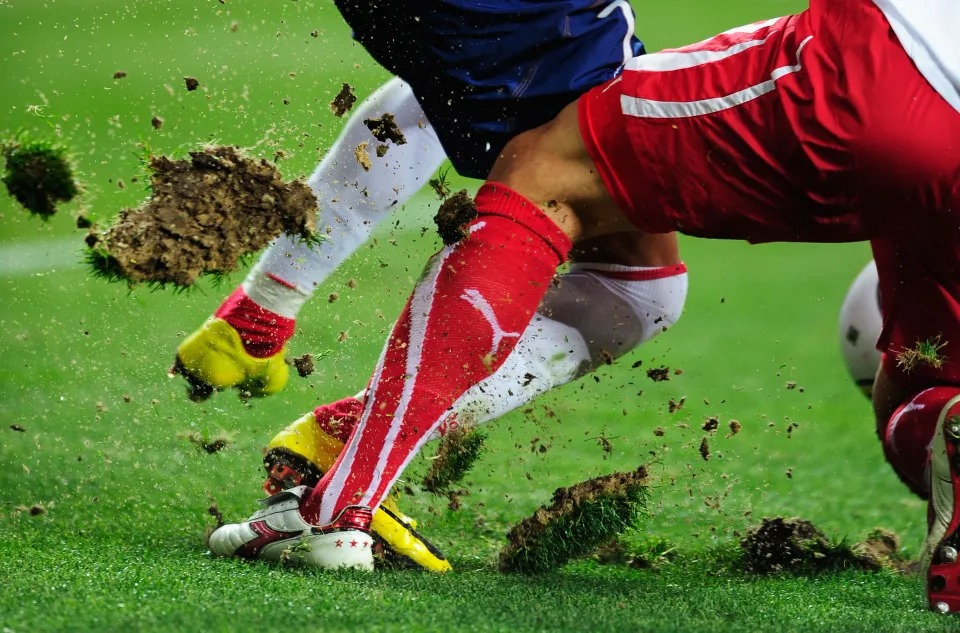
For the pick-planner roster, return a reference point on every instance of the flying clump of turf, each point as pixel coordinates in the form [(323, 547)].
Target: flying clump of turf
[(38, 174), (205, 216), (458, 451), (580, 519)]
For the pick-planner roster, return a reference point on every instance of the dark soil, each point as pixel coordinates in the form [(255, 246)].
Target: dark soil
[(305, 365), (579, 520), (658, 374), (385, 129), (454, 214), (39, 176), (796, 546), (203, 216), (344, 100)]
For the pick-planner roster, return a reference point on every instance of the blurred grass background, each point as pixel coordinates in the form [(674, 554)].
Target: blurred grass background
[(120, 543)]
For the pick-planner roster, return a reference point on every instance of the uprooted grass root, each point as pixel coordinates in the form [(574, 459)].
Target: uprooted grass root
[(204, 216), (580, 519), (38, 174)]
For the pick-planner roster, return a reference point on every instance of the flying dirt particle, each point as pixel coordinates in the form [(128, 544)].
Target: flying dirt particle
[(39, 175), (455, 501), (705, 450), (711, 424), (333, 297), (606, 357), (37, 509), (120, 74), (659, 432), (385, 129), (343, 336), (658, 374), (789, 473), (204, 216), (344, 100), (83, 221), (156, 122), (315, 33), (605, 444), (17, 428), (675, 405), (636, 364), (210, 445), (735, 427), (677, 372), (191, 83), (791, 384), (381, 151), (127, 397), (454, 214), (796, 546), (363, 158), (791, 428), (579, 519), (214, 511), (305, 364)]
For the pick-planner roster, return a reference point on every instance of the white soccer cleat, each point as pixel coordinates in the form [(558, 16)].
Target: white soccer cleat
[(278, 532), (938, 558)]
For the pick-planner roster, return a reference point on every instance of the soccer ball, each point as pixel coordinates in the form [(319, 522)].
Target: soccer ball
[(860, 325)]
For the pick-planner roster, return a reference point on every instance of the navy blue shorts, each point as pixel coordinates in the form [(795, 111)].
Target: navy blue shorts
[(485, 71)]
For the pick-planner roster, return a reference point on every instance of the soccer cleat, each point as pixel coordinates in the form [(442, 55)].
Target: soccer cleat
[(278, 532), (938, 558), (213, 358), (302, 452)]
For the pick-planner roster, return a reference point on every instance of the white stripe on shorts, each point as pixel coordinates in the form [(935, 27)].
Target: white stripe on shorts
[(652, 109)]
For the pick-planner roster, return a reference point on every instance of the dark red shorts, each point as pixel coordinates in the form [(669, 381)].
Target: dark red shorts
[(814, 127)]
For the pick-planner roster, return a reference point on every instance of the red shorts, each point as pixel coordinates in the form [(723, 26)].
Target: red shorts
[(814, 127)]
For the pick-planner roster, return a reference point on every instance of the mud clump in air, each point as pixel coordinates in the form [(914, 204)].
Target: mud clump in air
[(385, 129), (39, 176), (580, 519), (344, 100), (454, 214), (305, 365), (459, 449), (204, 215)]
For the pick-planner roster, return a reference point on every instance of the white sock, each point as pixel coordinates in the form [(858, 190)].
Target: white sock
[(352, 201), (598, 313)]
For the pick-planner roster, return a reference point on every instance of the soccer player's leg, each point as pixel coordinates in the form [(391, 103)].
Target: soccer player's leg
[(242, 345)]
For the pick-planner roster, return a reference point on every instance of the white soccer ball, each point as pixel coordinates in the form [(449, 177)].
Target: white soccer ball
[(860, 325)]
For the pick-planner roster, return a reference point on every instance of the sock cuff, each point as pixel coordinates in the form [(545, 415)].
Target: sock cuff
[(630, 273), (497, 199), (263, 333)]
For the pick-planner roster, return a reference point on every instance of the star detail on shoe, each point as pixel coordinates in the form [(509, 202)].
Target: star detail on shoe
[(353, 543), (338, 543)]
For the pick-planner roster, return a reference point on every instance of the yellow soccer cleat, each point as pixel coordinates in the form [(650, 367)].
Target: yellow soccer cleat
[(213, 358), (302, 452)]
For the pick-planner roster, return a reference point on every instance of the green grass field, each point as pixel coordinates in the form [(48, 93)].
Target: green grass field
[(92, 430)]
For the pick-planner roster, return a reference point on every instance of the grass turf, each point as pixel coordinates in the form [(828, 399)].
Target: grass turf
[(99, 439)]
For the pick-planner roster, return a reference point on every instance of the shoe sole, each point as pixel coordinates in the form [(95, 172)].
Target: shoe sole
[(939, 556)]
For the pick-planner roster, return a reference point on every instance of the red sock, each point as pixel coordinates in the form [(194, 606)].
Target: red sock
[(264, 333), (464, 317), (338, 419), (906, 436)]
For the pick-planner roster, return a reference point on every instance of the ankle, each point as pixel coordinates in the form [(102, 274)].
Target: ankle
[(263, 332)]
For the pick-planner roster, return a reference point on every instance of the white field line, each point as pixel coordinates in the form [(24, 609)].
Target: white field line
[(19, 259)]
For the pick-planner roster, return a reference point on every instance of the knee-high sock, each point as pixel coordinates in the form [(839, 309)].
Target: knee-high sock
[(353, 201), (465, 316), (906, 436), (594, 315)]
